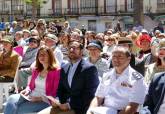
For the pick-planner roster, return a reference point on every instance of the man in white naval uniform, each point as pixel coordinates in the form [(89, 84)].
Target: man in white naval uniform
[(121, 90)]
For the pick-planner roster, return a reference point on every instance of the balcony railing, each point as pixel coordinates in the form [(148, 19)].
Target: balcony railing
[(88, 10), (60, 12), (108, 10), (161, 8), (17, 9)]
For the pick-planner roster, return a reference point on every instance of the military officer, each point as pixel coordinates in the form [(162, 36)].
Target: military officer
[(121, 90)]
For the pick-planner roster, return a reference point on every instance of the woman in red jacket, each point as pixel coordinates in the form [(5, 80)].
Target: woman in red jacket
[(44, 82)]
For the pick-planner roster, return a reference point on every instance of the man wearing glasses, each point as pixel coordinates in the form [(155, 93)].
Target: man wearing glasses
[(30, 52), (77, 86)]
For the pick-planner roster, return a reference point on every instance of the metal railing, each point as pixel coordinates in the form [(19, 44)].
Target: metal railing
[(161, 8), (63, 12), (92, 11), (16, 9)]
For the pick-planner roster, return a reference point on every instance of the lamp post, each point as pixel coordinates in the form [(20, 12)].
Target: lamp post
[(11, 11), (116, 6)]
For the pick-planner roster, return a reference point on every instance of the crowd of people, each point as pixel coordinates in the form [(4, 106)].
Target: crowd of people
[(66, 70)]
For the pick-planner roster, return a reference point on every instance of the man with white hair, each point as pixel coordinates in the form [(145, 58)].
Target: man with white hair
[(75, 36), (13, 28), (51, 41), (19, 38)]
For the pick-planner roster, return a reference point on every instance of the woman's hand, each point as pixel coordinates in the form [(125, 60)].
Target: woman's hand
[(25, 92)]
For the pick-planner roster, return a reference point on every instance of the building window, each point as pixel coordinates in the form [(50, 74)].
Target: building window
[(28, 9), (17, 6), (58, 7), (74, 6), (161, 1), (130, 5), (110, 6), (92, 25), (5, 6), (88, 6), (161, 6)]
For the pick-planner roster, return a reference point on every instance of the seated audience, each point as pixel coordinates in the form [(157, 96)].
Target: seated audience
[(152, 57), (41, 28), (134, 62), (24, 74), (65, 38), (144, 43), (121, 90), (29, 52), (135, 47), (9, 60), (155, 99), (44, 82), (78, 83), (95, 48), (110, 42), (19, 39), (100, 37), (51, 41), (158, 66), (26, 35)]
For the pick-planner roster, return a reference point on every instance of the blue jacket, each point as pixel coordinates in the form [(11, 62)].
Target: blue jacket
[(83, 87), (156, 93)]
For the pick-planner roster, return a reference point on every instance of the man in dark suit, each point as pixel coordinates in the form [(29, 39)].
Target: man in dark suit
[(78, 83), (155, 99)]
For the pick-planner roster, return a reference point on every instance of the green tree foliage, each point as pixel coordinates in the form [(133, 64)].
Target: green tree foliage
[(35, 4), (38, 2)]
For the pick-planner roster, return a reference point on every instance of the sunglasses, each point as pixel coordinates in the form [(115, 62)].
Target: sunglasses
[(33, 41), (109, 40)]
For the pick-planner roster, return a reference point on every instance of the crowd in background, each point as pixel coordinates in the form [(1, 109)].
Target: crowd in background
[(45, 45)]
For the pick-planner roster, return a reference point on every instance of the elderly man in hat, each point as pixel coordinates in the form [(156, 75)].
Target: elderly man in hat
[(95, 48), (29, 52), (51, 41), (8, 60)]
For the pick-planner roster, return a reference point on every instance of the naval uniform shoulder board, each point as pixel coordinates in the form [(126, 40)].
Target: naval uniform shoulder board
[(137, 75)]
